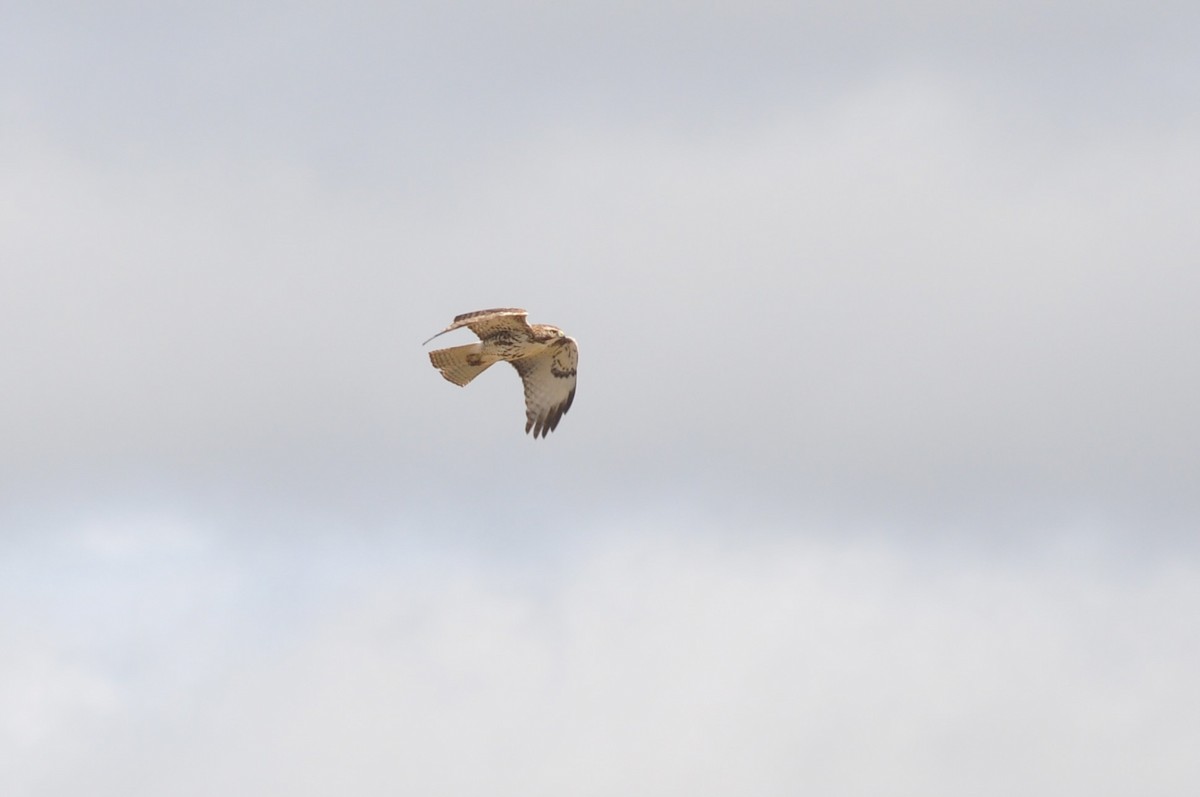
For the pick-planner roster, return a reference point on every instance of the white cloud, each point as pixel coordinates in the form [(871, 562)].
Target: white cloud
[(45, 696), (650, 663)]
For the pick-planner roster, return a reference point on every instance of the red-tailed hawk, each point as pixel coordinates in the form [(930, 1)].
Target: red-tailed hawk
[(543, 356)]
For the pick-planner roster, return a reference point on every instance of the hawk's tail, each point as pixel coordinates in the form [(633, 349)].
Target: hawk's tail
[(460, 364)]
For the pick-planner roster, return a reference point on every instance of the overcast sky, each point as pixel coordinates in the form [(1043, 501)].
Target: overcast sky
[(883, 475)]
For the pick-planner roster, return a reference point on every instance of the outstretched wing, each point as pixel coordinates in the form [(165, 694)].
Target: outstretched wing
[(486, 323), (549, 380)]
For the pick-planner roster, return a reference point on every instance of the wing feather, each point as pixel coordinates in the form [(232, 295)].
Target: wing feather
[(486, 323), (549, 380)]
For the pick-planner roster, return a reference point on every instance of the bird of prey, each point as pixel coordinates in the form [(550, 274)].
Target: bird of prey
[(543, 356)]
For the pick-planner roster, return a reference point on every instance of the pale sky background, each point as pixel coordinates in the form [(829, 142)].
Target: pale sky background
[(883, 477)]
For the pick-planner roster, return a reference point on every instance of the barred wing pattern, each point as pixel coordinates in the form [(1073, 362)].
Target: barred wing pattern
[(549, 380), (487, 323)]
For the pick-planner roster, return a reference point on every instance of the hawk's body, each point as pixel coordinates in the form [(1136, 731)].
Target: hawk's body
[(543, 356)]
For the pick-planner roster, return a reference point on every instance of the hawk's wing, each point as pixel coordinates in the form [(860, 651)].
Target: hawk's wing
[(549, 380), (486, 323)]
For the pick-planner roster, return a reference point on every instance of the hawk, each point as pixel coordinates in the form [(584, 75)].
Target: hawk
[(543, 356)]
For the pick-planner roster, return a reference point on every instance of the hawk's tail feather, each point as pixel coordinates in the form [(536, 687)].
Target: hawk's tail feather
[(460, 364)]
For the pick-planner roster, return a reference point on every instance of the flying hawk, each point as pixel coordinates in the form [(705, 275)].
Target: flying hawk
[(543, 356)]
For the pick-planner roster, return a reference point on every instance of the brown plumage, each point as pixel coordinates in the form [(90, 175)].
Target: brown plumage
[(544, 357)]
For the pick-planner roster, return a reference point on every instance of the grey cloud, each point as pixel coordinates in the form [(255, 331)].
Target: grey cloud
[(405, 92), (885, 296)]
